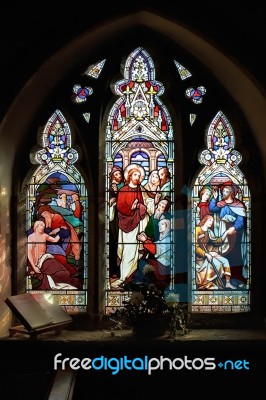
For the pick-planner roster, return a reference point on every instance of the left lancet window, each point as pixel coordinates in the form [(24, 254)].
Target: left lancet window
[(139, 183), (57, 243)]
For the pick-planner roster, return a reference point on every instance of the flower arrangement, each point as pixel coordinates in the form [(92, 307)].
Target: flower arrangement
[(149, 311)]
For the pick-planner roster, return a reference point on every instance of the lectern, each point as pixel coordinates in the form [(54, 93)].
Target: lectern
[(37, 315)]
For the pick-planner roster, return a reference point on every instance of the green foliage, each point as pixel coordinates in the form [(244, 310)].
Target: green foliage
[(147, 304)]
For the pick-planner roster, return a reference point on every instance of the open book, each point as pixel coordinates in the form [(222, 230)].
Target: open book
[(33, 313)]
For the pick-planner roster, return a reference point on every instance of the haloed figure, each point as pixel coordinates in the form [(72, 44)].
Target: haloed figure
[(133, 218)]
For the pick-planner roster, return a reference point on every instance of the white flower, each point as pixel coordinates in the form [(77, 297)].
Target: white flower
[(172, 298)]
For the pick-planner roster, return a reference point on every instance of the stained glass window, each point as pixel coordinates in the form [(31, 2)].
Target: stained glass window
[(94, 70), (192, 118), (87, 116), (183, 72), (80, 94), (221, 214), (56, 221), (139, 183), (142, 228), (195, 95)]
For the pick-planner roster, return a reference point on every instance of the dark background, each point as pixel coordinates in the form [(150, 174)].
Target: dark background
[(29, 34)]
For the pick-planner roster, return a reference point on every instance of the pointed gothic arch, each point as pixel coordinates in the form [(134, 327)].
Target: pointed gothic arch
[(56, 220), (98, 265), (221, 222), (139, 137)]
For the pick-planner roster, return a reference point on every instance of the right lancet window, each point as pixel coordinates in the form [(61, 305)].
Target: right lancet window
[(221, 214)]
